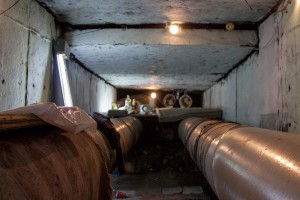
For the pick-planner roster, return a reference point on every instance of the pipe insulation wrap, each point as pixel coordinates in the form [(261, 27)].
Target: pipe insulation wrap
[(242, 162)]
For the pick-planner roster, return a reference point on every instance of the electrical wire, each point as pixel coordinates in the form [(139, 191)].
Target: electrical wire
[(249, 5), (83, 33), (10, 7)]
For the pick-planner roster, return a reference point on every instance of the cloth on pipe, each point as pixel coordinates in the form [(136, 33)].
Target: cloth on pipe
[(71, 119), (113, 136), (177, 114)]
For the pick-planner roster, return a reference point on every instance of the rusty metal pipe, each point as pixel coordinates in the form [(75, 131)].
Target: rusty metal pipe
[(243, 162)]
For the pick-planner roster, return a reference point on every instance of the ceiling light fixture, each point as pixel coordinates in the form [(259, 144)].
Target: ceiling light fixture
[(230, 26), (64, 80)]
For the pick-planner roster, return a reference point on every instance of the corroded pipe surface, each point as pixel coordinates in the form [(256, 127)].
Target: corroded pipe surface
[(243, 162)]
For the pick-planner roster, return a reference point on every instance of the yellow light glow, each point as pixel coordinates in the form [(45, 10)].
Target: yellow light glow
[(230, 26), (153, 95), (174, 29)]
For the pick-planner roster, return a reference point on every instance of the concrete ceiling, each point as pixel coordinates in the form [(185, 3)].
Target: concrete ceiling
[(135, 50)]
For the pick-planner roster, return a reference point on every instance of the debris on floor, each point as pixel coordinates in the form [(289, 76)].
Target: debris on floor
[(160, 168), (157, 152)]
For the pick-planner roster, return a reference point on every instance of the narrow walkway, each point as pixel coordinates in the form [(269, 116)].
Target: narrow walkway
[(160, 185), (160, 169)]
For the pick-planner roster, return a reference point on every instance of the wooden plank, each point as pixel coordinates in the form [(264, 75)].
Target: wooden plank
[(13, 121)]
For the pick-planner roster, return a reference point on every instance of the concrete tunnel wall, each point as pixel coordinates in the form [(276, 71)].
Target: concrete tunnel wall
[(264, 90), (27, 32), (89, 92)]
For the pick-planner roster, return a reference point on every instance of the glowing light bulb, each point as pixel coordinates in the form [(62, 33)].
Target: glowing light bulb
[(153, 95), (174, 29)]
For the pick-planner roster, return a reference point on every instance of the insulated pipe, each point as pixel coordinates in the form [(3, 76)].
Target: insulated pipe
[(47, 162), (187, 127), (130, 129), (242, 162)]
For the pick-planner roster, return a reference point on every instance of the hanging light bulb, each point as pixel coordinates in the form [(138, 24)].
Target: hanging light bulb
[(174, 29), (153, 95), (152, 100)]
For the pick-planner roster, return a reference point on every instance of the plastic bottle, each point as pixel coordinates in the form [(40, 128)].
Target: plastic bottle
[(128, 103), (119, 195)]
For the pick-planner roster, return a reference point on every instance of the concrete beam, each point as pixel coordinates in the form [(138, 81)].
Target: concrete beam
[(162, 37)]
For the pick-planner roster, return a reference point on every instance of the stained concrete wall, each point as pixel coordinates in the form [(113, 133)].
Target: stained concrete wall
[(289, 67), (213, 97), (88, 91), (26, 34), (223, 95), (264, 91)]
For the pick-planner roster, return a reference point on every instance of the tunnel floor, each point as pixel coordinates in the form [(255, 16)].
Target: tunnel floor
[(158, 167)]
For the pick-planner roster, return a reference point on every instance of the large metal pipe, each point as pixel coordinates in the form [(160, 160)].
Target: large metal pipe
[(45, 162), (49, 163), (130, 129), (243, 162)]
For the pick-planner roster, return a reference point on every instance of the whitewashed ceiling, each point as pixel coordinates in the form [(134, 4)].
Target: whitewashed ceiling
[(145, 55)]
